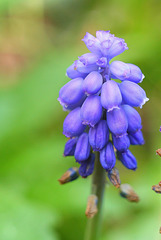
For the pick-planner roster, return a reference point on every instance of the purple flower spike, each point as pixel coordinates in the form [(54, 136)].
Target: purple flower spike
[(126, 71), (87, 166), (118, 47), (133, 117), (127, 159), (89, 59), (71, 93), (72, 125), (107, 157), (110, 95), (91, 110), (133, 94), (70, 147), (99, 135), (92, 83), (121, 143), (92, 43), (136, 138), (82, 150), (73, 73), (117, 121)]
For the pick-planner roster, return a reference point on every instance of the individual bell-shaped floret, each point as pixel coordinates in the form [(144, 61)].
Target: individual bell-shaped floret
[(72, 125), (99, 135), (70, 175), (117, 121), (92, 43), (118, 47), (80, 67), (107, 157), (127, 159), (126, 71), (103, 35), (87, 166), (73, 106), (133, 117), (82, 150), (121, 143), (89, 59), (69, 148), (92, 83), (110, 95), (114, 177), (73, 73), (133, 94), (91, 110), (71, 93), (136, 138)]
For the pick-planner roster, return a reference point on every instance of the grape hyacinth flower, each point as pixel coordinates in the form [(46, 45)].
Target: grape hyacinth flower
[(102, 121)]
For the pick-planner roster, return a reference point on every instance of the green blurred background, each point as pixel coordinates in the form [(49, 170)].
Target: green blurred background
[(39, 39)]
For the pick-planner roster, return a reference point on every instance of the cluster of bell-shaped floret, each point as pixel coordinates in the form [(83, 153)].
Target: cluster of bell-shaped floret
[(102, 116)]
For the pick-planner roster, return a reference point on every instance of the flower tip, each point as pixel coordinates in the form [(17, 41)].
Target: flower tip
[(114, 107), (158, 152), (143, 76), (70, 175), (144, 101), (91, 209)]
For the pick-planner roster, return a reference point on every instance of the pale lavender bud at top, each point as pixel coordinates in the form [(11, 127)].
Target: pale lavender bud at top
[(91, 110), (72, 125), (88, 58), (127, 159), (117, 121), (133, 117), (133, 94), (73, 73), (103, 35), (80, 67), (92, 43), (82, 150), (69, 148), (107, 157), (136, 138), (92, 83), (126, 71), (110, 95), (99, 135), (72, 92), (87, 166), (106, 45), (117, 47), (102, 62), (121, 143)]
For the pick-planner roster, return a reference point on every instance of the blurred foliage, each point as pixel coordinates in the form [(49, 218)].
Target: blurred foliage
[(39, 40)]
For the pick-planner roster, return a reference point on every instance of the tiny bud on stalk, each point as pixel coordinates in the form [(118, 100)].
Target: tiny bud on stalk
[(70, 175), (91, 209), (127, 192)]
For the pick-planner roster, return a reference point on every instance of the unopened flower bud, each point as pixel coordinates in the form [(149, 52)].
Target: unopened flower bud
[(82, 150), (117, 121), (107, 157), (91, 110), (91, 209), (70, 175), (121, 143), (126, 191), (92, 83), (87, 166), (99, 135), (127, 159), (110, 95), (73, 73), (69, 148), (136, 138), (89, 58), (133, 94), (72, 125), (114, 177)]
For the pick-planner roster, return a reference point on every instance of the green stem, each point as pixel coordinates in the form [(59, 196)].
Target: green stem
[(98, 186)]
